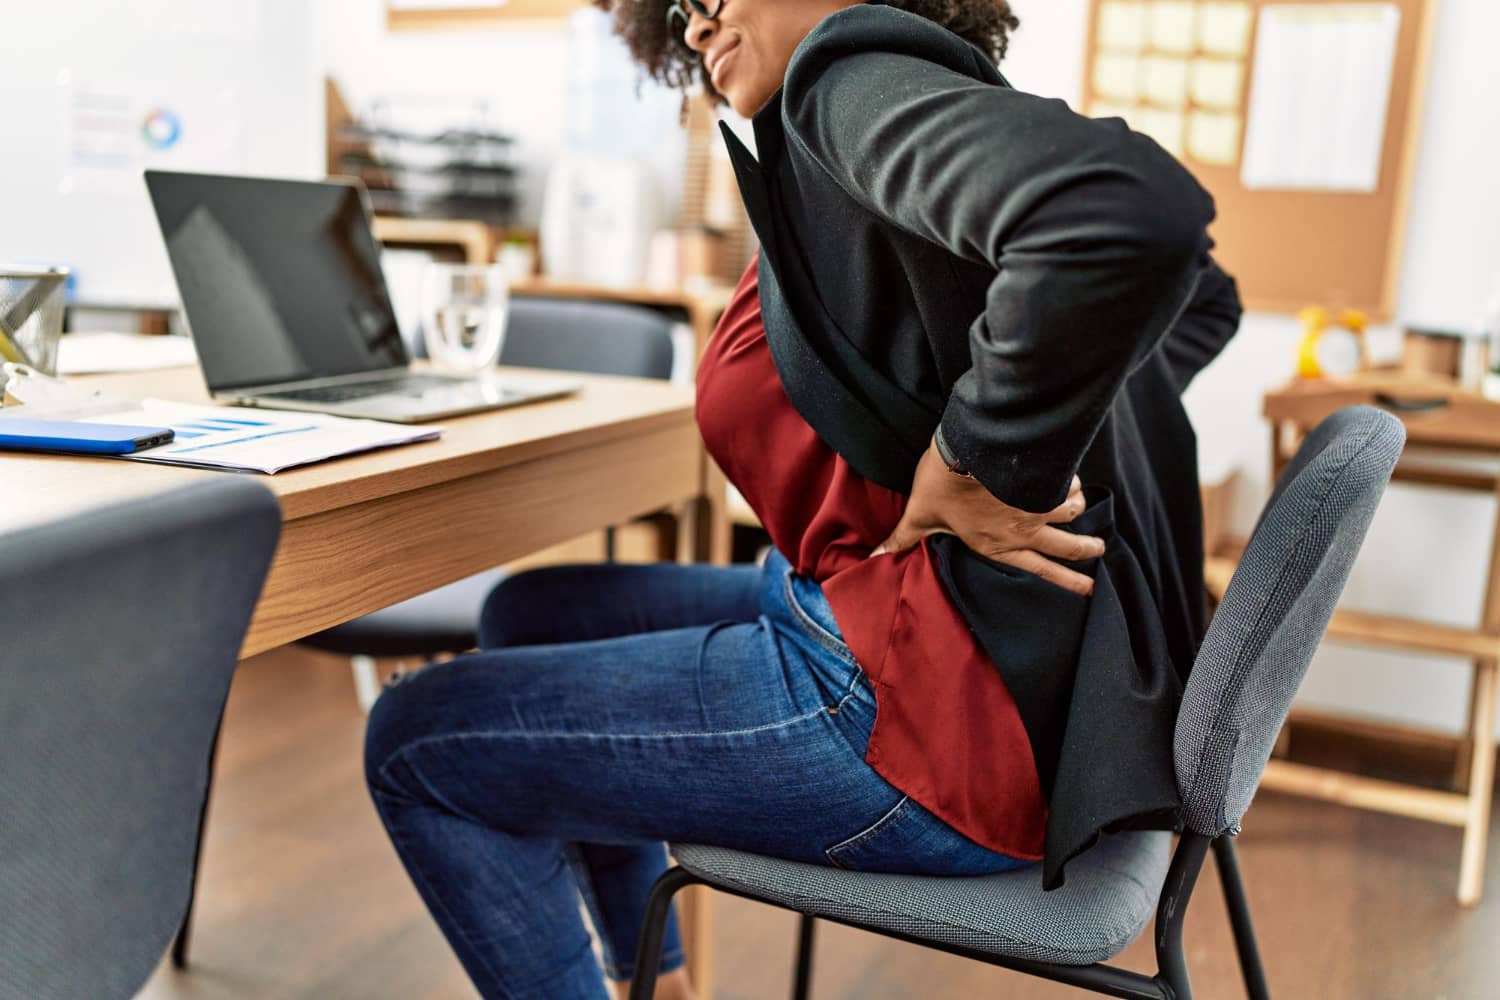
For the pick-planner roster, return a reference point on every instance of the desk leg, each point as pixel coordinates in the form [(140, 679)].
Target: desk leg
[(1480, 748), (709, 533), (712, 532), (1481, 785), (1464, 759), (1277, 462), (696, 913), (1491, 619), (704, 538)]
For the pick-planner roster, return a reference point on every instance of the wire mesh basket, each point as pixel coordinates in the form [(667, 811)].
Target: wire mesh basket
[(31, 317), (432, 157)]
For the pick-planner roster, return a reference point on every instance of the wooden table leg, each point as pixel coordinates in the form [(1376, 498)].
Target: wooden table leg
[(1275, 468), (704, 538), (1481, 785), (695, 910), (709, 532), (1282, 748), (1481, 740), (1464, 759)]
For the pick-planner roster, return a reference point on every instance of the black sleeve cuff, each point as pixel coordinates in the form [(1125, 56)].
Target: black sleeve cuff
[(951, 460)]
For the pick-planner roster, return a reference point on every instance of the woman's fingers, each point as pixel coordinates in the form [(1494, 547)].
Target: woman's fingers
[(1060, 544), (1056, 573), (1068, 510), (903, 537)]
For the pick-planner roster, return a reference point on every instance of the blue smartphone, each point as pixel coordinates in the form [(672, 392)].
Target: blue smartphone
[(72, 437)]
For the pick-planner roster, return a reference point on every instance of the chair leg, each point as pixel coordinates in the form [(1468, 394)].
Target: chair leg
[(1228, 862), (654, 929), (366, 683), (184, 930), (803, 981), (1171, 911)]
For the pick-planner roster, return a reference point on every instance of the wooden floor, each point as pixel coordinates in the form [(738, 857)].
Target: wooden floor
[(302, 897)]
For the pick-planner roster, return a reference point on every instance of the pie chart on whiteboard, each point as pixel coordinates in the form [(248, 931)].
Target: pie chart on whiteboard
[(161, 129)]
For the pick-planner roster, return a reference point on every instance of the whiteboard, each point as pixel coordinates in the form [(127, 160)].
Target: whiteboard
[(1452, 260), (99, 90)]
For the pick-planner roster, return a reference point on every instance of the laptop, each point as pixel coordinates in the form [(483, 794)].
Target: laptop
[(287, 305)]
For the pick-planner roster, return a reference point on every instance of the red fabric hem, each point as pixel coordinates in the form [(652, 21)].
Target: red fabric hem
[(947, 731)]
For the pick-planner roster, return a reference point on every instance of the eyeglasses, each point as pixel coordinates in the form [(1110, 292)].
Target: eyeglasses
[(678, 20)]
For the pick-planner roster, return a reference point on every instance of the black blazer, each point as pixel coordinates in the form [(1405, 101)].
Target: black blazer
[(942, 253)]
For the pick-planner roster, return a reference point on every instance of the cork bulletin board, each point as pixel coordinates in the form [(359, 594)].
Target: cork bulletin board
[(1302, 117)]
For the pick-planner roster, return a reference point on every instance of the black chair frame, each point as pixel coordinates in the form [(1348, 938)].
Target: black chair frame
[(1170, 982), (184, 931)]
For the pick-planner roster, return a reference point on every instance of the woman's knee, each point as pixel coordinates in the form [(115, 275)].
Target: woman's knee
[(518, 611), (408, 711)]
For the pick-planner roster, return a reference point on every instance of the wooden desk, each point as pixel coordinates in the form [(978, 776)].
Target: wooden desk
[(364, 532), (1468, 425), (399, 522)]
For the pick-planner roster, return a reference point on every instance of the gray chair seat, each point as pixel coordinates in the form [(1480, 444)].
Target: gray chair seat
[(445, 620), (1111, 893)]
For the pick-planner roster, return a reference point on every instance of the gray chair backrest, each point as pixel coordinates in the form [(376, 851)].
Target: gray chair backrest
[(603, 338), (119, 630), (1275, 611)]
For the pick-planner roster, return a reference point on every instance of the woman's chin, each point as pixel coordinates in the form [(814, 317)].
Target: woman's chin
[(745, 103)]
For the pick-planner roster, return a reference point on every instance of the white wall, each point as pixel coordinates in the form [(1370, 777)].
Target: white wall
[(1428, 548), (70, 175)]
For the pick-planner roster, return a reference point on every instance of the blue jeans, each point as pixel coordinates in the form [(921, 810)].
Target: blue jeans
[(615, 708)]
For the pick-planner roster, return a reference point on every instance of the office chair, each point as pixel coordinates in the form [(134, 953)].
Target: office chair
[(120, 628), (1257, 650), (563, 334)]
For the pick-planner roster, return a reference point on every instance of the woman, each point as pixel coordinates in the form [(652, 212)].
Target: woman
[(949, 387)]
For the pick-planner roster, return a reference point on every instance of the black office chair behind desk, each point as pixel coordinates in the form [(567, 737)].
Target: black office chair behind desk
[(562, 334), (119, 631), (1258, 647)]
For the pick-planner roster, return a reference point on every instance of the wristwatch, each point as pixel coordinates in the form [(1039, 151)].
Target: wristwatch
[(953, 462)]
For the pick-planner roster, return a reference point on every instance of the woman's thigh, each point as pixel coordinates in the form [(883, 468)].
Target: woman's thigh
[(560, 604), (716, 734)]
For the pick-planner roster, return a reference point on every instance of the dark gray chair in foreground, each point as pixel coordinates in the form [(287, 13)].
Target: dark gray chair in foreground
[(1256, 652), (600, 338), (119, 630)]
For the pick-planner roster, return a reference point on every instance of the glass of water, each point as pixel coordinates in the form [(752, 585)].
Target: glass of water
[(464, 309)]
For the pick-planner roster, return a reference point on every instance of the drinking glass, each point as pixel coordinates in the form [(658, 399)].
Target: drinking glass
[(464, 309)]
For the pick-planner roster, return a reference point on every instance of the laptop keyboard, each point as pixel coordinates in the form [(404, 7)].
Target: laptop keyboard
[(404, 385)]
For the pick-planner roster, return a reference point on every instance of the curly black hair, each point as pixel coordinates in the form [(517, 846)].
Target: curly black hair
[(643, 26)]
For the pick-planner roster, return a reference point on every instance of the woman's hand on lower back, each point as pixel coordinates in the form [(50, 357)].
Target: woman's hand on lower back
[(944, 502)]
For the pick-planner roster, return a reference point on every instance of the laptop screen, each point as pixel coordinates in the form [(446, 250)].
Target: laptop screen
[(280, 280)]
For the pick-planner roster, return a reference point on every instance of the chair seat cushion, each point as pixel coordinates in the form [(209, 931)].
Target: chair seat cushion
[(445, 620), (1110, 895)]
